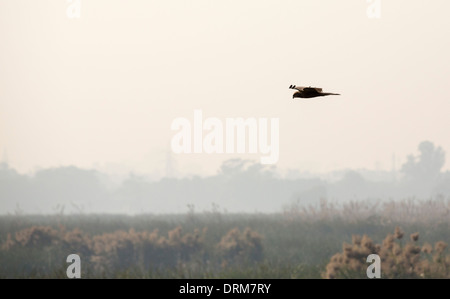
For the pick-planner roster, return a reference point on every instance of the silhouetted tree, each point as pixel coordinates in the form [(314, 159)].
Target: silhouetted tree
[(426, 167)]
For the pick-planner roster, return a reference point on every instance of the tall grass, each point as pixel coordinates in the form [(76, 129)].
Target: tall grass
[(297, 243)]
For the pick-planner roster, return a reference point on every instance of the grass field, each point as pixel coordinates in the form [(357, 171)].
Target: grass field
[(298, 243)]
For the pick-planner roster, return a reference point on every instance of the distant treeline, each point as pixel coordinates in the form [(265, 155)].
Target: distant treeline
[(239, 186)]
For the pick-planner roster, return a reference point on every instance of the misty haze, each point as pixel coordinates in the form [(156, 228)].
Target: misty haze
[(240, 186), (159, 139)]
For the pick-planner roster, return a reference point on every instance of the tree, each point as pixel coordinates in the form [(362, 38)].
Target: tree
[(425, 167)]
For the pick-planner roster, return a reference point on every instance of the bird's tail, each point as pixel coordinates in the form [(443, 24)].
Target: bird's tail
[(292, 87), (331, 94)]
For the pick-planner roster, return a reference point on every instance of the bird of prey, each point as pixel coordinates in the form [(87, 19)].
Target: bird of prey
[(309, 92)]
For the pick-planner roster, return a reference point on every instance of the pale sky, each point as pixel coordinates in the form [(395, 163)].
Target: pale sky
[(102, 91)]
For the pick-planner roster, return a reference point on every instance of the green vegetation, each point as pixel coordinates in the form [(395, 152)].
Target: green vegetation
[(299, 243)]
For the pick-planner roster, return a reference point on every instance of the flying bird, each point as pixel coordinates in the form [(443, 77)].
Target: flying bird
[(310, 92)]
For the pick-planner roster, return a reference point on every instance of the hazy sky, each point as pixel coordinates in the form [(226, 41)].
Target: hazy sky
[(102, 90)]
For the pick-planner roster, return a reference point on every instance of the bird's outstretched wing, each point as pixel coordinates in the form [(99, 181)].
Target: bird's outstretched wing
[(306, 89), (299, 88), (312, 89)]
